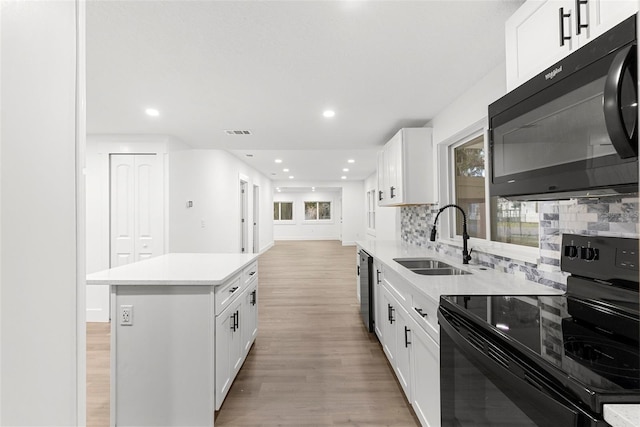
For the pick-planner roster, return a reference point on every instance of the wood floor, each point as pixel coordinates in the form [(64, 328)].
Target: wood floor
[(313, 363)]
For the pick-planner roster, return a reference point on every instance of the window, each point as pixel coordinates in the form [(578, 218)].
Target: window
[(510, 221), (371, 209), (317, 211), (283, 211)]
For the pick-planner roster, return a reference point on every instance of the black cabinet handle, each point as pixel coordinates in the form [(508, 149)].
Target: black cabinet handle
[(252, 273), (390, 309), (378, 276), (392, 190), (233, 322), (419, 311), (254, 297), (237, 321), (406, 338), (232, 290), (562, 16), (379, 195), (579, 24)]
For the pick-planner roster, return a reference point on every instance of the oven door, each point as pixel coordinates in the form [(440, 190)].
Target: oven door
[(484, 383)]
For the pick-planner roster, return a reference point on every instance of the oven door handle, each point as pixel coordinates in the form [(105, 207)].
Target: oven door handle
[(626, 144), (509, 376)]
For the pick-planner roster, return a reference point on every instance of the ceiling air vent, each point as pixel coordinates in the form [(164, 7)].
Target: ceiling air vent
[(237, 132)]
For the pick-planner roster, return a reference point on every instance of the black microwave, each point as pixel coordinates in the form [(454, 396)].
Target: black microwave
[(571, 131)]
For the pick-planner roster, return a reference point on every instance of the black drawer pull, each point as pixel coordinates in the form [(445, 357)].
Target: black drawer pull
[(419, 311), (232, 290), (406, 339)]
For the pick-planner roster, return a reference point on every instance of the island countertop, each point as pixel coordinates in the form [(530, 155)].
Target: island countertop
[(175, 269)]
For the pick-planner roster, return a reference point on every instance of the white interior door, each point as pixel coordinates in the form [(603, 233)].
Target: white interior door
[(256, 219), (137, 207)]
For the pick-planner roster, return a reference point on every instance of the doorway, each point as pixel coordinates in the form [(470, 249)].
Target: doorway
[(244, 230), (256, 219)]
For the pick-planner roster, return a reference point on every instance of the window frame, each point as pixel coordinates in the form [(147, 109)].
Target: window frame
[(317, 220), (446, 192), (293, 214)]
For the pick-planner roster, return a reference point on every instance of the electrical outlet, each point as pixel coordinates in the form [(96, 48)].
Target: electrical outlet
[(126, 315)]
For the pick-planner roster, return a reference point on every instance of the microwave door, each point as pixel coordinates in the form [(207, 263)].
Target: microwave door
[(621, 103)]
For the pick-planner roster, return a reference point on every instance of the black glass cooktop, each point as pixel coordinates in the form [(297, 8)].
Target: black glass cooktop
[(559, 331)]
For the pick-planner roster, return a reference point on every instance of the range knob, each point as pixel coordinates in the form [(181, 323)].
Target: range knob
[(589, 254), (571, 251)]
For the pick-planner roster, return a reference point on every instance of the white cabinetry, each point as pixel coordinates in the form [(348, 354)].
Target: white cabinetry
[(378, 310), (406, 172), (542, 32), (228, 338), (425, 370), (409, 337)]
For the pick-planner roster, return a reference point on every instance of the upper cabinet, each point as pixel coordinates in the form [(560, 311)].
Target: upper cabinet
[(406, 174), (542, 32)]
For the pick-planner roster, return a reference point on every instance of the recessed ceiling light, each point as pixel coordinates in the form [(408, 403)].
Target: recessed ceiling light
[(249, 155), (152, 112), (351, 161), (329, 113), (345, 170), (278, 160), (285, 170), (343, 177), (290, 176), (313, 188)]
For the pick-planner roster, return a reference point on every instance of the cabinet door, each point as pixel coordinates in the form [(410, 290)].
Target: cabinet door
[(250, 317), (382, 195), (378, 309), (389, 306), (602, 15), (228, 349), (425, 377), (404, 331), (533, 38), (393, 158)]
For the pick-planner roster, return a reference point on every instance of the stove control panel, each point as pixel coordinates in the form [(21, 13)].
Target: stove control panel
[(605, 258)]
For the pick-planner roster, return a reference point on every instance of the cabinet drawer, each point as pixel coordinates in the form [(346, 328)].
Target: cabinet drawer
[(250, 272), (425, 311), (226, 293)]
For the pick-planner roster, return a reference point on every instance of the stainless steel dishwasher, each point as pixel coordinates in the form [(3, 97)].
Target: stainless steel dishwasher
[(365, 271)]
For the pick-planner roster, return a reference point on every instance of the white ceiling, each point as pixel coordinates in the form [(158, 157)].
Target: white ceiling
[(273, 67)]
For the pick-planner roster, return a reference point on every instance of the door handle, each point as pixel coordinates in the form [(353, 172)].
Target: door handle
[(378, 276), (392, 190), (254, 297), (379, 195), (625, 144)]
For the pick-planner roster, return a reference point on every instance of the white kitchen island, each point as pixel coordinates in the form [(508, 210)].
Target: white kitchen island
[(181, 327)]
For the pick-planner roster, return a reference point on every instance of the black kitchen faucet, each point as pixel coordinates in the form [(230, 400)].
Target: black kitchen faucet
[(466, 256)]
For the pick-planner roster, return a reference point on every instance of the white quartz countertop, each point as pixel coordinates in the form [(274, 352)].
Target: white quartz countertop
[(175, 269), (622, 415), (481, 281)]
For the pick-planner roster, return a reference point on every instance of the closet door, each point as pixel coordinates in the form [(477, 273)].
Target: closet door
[(137, 207)]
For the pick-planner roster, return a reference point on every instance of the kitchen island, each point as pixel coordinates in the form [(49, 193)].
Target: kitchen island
[(181, 327)]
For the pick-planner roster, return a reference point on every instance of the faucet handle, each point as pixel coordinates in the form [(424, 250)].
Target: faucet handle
[(468, 256)]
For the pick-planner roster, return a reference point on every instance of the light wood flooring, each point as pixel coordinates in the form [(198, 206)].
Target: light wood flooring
[(313, 363)]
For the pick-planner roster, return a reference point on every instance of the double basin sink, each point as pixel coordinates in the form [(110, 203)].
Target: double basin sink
[(429, 267)]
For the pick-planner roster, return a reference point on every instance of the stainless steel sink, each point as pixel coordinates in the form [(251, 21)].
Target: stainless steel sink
[(429, 267), (412, 263), (439, 271)]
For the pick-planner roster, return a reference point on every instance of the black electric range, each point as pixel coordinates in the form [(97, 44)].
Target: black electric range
[(581, 348)]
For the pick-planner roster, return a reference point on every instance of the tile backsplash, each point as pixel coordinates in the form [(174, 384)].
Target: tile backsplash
[(607, 216)]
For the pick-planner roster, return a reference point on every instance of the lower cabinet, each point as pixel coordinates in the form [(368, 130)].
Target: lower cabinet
[(236, 330), (229, 348), (425, 370), (412, 352)]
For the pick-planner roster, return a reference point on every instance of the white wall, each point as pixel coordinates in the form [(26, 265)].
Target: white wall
[(211, 179), (298, 228), (470, 106), (353, 210), (41, 276), (99, 148)]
